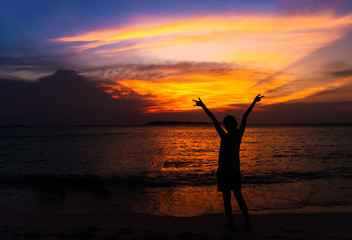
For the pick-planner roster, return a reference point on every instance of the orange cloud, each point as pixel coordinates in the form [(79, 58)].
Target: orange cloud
[(220, 86), (274, 41), (174, 91), (262, 45)]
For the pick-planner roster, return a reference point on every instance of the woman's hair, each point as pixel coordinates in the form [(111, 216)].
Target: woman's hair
[(230, 122)]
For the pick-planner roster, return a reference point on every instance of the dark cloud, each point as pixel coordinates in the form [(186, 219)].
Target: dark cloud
[(161, 70), (342, 73), (301, 113), (64, 98), (32, 62), (38, 56)]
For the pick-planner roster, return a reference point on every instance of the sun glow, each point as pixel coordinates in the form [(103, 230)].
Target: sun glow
[(261, 47), (174, 93)]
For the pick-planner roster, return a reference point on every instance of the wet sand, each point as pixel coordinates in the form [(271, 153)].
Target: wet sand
[(127, 225)]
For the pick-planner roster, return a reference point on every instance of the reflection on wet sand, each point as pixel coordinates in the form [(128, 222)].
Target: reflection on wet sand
[(190, 201)]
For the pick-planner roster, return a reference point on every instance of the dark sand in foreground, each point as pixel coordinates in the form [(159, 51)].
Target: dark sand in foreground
[(127, 225)]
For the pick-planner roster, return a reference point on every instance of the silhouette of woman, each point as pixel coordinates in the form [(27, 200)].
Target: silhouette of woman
[(228, 172)]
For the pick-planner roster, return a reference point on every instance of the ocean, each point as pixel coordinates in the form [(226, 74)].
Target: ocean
[(169, 170)]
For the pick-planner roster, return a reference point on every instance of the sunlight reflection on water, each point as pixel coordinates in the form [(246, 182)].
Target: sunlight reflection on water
[(170, 170)]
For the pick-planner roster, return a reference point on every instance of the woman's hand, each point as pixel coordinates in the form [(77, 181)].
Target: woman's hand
[(258, 98), (198, 103)]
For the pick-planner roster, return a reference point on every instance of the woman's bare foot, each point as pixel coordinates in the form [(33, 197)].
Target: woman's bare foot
[(248, 226)]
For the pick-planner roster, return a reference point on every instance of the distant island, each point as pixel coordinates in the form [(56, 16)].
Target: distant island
[(158, 123)]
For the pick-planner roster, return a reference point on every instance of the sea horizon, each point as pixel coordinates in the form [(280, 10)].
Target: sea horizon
[(174, 123)]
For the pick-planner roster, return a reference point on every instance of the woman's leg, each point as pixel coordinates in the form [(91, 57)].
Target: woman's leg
[(227, 205), (243, 206)]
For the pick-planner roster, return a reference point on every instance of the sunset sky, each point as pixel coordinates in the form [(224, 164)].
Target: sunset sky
[(159, 55)]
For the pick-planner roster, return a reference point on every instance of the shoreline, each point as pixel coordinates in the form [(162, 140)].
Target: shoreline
[(306, 210), (294, 224)]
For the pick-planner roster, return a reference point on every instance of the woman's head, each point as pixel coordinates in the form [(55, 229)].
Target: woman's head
[(230, 123)]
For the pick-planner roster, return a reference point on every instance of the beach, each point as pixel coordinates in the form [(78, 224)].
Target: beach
[(319, 223)]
